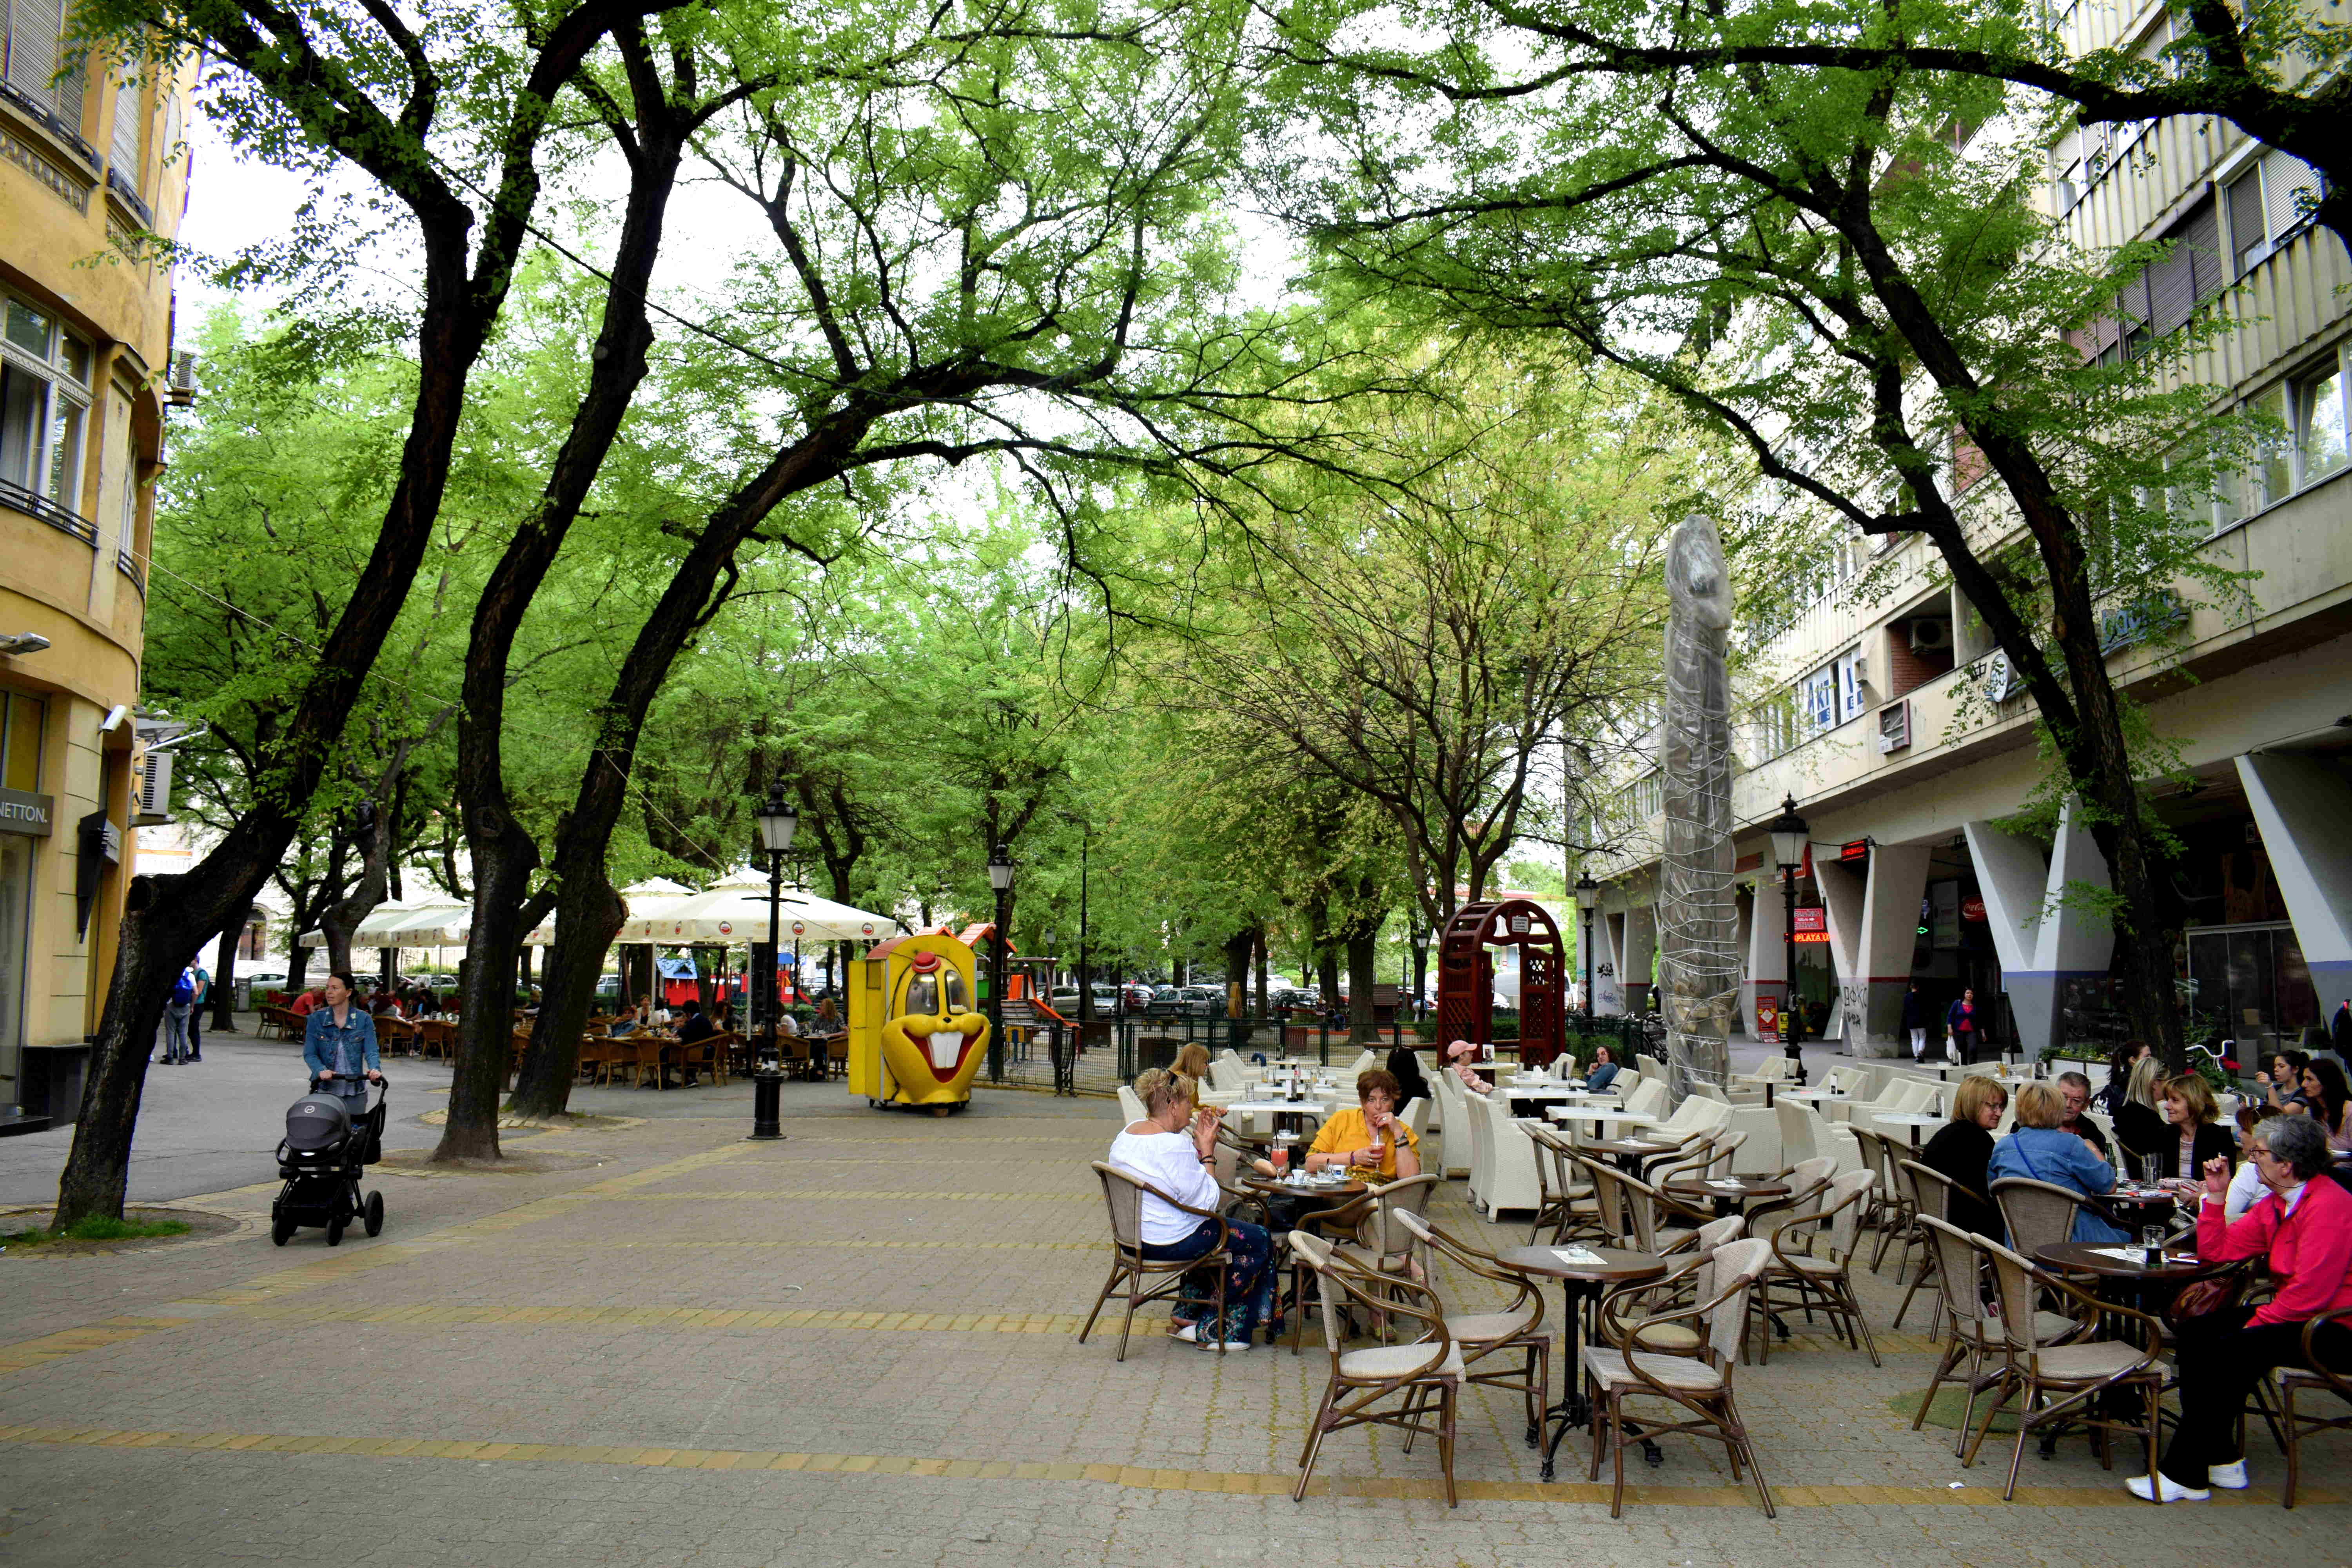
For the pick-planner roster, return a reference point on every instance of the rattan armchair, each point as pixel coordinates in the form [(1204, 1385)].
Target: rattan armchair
[(1428, 1368), (1812, 1264), (1960, 1278), (1699, 1383), (1148, 1278), (2041, 1214), (2078, 1369), (1512, 1331), (2314, 1376)]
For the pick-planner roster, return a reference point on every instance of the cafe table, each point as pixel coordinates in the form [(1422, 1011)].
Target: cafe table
[(1314, 1195), (1602, 1120), (1913, 1119), (1585, 1274), (1296, 1115), (1729, 1193)]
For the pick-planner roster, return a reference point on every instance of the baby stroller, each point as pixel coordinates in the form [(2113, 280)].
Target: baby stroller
[(324, 1155)]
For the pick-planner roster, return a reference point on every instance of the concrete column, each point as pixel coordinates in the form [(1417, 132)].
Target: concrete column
[(2044, 937), (1842, 895), (2304, 809), (1767, 954), (1890, 933), (1609, 965), (1640, 953)]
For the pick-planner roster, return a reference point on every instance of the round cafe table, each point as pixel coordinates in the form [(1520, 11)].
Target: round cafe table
[(1728, 1192), (1913, 1119), (1309, 1195), (1602, 1120), (1579, 1281)]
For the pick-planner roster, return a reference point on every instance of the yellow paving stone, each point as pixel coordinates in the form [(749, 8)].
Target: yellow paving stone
[(789, 1462), (858, 1463)]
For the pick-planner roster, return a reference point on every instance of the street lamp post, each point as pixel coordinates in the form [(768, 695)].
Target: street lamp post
[(1588, 910), (778, 823), (1000, 877), (1790, 834)]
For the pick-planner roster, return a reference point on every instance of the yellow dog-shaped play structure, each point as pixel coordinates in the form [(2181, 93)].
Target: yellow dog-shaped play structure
[(914, 1037)]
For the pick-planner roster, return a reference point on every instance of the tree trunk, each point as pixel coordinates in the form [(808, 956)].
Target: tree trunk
[(588, 915), (1238, 948), (1327, 975), (223, 1019), (1258, 956), (1363, 973)]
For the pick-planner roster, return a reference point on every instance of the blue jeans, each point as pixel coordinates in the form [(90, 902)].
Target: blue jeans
[(1249, 1280)]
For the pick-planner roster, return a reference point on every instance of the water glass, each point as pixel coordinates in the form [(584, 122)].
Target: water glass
[(2151, 1168), (2151, 1243)]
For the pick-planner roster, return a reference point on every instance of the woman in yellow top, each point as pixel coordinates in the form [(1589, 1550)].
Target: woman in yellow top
[(1371, 1137)]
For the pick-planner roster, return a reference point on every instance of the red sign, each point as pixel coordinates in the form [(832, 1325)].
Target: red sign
[(1804, 936), (1855, 849), (1811, 919), (1972, 909), (1767, 1016)]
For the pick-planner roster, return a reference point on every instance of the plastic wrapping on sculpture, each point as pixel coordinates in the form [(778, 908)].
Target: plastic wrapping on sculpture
[(1698, 915)]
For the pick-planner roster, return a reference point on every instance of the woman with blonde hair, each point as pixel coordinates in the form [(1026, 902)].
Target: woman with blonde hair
[(1961, 1151), (2040, 1150), (2198, 1135), (1192, 1062), (2139, 1119), (1173, 1151)]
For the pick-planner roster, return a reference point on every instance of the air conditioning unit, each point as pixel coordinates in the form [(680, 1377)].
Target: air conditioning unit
[(1930, 635), (182, 392), (154, 790), (1894, 727)]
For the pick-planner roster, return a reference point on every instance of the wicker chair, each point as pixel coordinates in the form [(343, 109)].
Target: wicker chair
[(1699, 1384), (1123, 1195), (2312, 1377), (1660, 1224), (1567, 1206), (2039, 1214), (1512, 1331), (1960, 1278), (2079, 1370), (1932, 1192), (1813, 1267), (1890, 1212), (1428, 1367)]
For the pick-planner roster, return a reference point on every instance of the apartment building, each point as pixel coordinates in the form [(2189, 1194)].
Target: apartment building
[(1882, 709), (90, 165)]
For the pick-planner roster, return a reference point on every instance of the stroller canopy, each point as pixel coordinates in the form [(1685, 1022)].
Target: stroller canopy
[(316, 1122)]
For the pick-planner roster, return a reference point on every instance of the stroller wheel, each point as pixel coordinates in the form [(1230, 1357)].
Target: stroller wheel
[(280, 1228), (335, 1231), (375, 1213)]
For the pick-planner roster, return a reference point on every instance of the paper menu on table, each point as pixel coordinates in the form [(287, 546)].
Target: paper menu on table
[(1727, 1186), (2121, 1254), (1578, 1257)]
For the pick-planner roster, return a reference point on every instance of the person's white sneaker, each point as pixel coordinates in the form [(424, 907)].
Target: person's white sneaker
[(2173, 1491), (1190, 1333), (2231, 1476)]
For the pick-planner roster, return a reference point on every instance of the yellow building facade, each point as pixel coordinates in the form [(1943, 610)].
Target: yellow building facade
[(91, 161)]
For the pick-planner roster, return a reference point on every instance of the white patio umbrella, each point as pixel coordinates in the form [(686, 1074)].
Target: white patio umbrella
[(734, 913)]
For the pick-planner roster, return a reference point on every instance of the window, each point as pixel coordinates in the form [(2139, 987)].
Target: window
[(2267, 206), (123, 150), (1818, 694), (44, 403), (20, 745), (35, 30), (1773, 727), (2162, 296), (1649, 795), (1852, 680), (2312, 411)]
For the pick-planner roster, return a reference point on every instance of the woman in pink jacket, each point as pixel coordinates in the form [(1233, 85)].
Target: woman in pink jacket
[(2303, 1223)]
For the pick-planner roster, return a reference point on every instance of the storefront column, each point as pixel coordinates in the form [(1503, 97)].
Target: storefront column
[(2044, 937), (2303, 808), (1768, 955), (1844, 891), (1639, 955), (1608, 964), (1890, 935)]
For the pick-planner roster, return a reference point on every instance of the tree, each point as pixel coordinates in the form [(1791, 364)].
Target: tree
[(2273, 67), (996, 241), (1809, 264)]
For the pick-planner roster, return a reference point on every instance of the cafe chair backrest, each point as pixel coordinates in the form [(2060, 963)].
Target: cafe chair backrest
[(1731, 1273), (1123, 1194), (2035, 1214)]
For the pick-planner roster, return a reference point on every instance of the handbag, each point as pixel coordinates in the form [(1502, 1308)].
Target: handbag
[(2205, 1298)]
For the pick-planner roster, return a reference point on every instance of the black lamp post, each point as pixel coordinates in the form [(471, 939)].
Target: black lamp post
[(1790, 834), (1588, 910), (778, 823), (1000, 877)]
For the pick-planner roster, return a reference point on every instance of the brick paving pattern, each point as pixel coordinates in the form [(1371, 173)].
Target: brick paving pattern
[(858, 1345)]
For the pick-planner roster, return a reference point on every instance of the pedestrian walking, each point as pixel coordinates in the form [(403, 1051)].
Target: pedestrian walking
[(176, 1008), (339, 1045), (1915, 1020), (196, 1010), (1961, 1029)]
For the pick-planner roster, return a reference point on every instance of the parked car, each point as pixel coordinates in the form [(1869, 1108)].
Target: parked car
[(1134, 998), (1203, 1001)]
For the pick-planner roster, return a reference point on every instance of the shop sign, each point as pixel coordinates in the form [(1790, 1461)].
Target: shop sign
[(1768, 1018), (1972, 909), (29, 815), (1815, 918)]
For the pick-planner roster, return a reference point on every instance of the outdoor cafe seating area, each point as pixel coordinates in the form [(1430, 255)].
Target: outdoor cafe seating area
[(1614, 1266)]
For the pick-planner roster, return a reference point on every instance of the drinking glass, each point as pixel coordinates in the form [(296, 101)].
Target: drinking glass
[(1280, 1155), (2151, 1168), (2151, 1243)]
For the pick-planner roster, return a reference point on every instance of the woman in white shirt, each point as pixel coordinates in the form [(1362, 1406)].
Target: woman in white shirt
[(1172, 1150)]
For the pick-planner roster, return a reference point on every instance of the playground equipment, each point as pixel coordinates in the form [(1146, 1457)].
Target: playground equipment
[(914, 1036)]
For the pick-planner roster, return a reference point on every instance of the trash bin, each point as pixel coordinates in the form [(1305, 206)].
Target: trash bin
[(241, 995)]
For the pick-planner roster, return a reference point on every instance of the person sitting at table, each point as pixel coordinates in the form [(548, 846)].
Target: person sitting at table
[(1369, 1140), (1192, 1061), (2075, 1090), (2039, 1152), (1961, 1153), (624, 1022), (1404, 1066), (2200, 1136), (828, 1017), (2110, 1098), (2303, 1226), (696, 1028), (1173, 1148), (1604, 1070), (2326, 1100), (2282, 1083), (1456, 1058), (2246, 1185), (2140, 1126)]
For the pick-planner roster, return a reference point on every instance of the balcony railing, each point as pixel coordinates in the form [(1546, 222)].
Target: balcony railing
[(34, 504), (128, 564)]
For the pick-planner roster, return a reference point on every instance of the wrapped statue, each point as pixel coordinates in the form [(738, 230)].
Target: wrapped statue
[(1698, 915)]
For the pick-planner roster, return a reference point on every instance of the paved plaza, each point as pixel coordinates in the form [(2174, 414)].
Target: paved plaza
[(659, 1343)]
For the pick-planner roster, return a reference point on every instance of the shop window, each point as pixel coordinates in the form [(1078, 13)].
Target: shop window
[(43, 408), (15, 907)]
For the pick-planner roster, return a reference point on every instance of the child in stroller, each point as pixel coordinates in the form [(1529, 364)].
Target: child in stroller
[(325, 1153)]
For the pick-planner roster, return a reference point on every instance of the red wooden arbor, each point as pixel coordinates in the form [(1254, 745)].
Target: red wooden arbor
[(1466, 977)]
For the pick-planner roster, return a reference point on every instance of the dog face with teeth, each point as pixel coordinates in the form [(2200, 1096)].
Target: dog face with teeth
[(933, 1042)]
